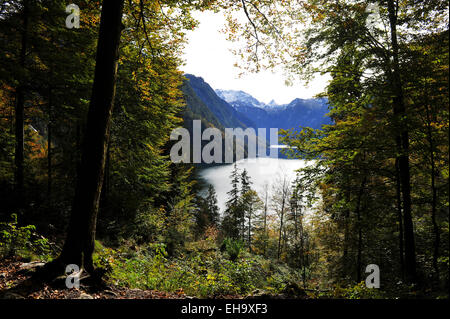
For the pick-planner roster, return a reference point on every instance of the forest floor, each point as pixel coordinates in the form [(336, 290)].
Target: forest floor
[(17, 282)]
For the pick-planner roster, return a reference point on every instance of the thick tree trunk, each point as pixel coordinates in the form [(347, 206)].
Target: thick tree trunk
[(104, 197), (402, 140), (79, 244)]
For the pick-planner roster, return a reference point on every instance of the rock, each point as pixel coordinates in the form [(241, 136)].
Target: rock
[(85, 296), (2, 275), (292, 289), (260, 294), (11, 295), (110, 292)]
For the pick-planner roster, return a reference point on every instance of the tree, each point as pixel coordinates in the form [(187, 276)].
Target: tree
[(261, 222), (295, 216), (244, 204), (79, 244), (280, 201), (51, 96), (211, 205), (232, 221), (252, 204), (207, 211), (332, 26)]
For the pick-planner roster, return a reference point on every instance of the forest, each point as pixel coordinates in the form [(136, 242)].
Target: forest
[(90, 92)]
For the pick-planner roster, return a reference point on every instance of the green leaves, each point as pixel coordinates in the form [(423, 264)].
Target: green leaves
[(22, 241)]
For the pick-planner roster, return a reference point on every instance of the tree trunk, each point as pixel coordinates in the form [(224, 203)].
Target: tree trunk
[(49, 147), (281, 228), (19, 111), (250, 230), (302, 251), (104, 197), (436, 242), (400, 222), (79, 244), (346, 234), (265, 222), (358, 214), (402, 140)]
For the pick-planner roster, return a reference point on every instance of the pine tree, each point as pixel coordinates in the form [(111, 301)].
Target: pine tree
[(211, 206), (253, 204), (244, 201), (232, 218)]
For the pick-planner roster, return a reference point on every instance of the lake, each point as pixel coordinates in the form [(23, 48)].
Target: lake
[(261, 171)]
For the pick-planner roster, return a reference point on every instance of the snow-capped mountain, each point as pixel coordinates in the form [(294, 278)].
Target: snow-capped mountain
[(299, 112), (231, 109), (241, 99), (238, 108), (231, 97), (272, 104)]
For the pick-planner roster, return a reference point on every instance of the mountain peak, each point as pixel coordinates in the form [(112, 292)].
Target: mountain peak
[(232, 96)]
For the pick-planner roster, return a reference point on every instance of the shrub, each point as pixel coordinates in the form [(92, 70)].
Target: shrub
[(22, 241), (233, 248)]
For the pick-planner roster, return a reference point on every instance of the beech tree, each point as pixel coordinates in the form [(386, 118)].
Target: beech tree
[(79, 244)]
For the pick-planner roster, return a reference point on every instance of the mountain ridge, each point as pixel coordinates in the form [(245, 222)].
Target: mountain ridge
[(234, 109)]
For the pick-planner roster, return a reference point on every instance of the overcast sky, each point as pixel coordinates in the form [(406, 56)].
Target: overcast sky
[(207, 55)]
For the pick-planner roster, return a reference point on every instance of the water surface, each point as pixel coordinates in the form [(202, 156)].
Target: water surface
[(261, 171)]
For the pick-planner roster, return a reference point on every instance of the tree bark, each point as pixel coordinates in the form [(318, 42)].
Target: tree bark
[(265, 220), (250, 230), (400, 222), (358, 214), (19, 111), (281, 226), (402, 140), (49, 147), (79, 244), (302, 250), (436, 232), (346, 234)]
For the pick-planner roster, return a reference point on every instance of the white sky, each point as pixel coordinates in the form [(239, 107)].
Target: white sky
[(208, 55)]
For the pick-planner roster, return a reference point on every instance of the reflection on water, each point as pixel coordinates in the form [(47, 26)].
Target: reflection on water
[(261, 170)]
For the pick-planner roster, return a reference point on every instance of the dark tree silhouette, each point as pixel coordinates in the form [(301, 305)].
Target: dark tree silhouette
[(79, 244)]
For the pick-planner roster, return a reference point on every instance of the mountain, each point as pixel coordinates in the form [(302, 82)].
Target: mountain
[(223, 111), (300, 112), (196, 109), (238, 96), (217, 113), (232, 109)]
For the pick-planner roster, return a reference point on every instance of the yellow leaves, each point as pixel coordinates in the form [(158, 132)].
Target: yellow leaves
[(36, 143)]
